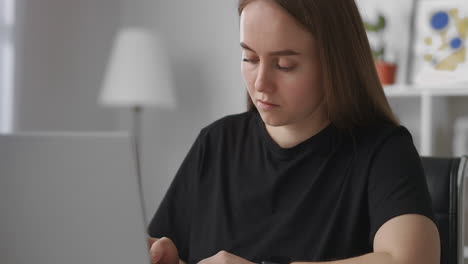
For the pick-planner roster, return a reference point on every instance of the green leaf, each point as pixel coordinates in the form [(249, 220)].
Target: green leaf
[(376, 27)]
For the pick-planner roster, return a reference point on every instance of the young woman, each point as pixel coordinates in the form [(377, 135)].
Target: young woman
[(317, 170)]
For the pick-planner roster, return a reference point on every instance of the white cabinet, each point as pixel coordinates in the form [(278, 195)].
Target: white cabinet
[(429, 114)]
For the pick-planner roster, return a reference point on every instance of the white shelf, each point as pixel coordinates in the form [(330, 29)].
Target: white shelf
[(428, 95), (405, 90)]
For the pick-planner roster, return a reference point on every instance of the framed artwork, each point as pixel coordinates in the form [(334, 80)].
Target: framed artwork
[(440, 42)]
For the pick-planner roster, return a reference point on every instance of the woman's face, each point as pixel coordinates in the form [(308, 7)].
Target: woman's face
[(280, 65)]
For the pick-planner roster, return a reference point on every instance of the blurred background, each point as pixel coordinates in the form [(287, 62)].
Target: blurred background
[(55, 54), (58, 52)]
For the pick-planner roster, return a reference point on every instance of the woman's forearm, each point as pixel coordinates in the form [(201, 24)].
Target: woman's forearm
[(372, 258)]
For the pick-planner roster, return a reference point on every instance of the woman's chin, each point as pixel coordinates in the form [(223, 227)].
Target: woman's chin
[(272, 120)]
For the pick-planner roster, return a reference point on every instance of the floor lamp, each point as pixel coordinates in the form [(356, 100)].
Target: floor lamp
[(137, 76)]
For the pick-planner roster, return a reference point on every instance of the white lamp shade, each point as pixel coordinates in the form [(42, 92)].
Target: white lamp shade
[(138, 72)]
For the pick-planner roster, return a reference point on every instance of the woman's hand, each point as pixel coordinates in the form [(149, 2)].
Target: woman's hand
[(163, 251), (224, 257)]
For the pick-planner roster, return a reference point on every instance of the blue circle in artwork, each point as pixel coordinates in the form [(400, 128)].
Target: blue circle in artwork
[(456, 43), (440, 20)]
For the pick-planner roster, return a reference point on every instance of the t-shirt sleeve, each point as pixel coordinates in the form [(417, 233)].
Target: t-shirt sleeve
[(397, 183), (172, 218)]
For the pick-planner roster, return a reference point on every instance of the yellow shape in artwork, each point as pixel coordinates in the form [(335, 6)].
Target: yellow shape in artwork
[(427, 57), (443, 36), (460, 24), (428, 41), (451, 62)]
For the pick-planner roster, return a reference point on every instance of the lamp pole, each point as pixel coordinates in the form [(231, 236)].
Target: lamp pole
[(136, 134)]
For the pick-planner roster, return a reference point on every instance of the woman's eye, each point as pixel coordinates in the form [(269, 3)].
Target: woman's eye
[(286, 69), (247, 60)]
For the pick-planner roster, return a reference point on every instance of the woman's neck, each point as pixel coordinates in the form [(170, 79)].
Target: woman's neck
[(290, 135)]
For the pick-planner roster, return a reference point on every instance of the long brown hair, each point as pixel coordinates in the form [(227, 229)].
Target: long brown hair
[(353, 93)]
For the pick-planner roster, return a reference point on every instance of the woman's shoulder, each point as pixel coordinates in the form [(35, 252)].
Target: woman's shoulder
[(231, 128), (374, 136), (381, 129), (230, 123)]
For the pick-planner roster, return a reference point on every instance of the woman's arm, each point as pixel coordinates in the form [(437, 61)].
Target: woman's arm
[(406, 239)]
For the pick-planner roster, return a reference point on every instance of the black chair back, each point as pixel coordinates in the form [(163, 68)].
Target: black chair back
[(445, 179)]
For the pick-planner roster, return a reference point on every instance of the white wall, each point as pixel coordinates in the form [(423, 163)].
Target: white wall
[(203, 45), (62, 52)]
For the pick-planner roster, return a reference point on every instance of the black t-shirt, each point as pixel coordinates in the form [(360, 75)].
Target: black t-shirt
[(324, 199)]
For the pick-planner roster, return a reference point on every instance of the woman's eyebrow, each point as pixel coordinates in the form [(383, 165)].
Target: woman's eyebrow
[(287, 52)]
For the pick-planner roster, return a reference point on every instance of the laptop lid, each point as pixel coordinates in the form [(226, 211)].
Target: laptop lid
[(70, 198)]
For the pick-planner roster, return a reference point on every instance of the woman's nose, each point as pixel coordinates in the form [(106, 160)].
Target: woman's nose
[(263, 81)]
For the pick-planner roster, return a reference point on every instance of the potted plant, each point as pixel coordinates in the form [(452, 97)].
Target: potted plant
[(386, 69)]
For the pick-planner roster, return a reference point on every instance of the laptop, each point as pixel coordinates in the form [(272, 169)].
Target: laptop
[(70, 198)]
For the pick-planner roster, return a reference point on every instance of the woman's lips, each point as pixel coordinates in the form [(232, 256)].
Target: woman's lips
[(265, 105)]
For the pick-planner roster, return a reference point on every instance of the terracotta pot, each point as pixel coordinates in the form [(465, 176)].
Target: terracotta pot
[(387, 72)]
